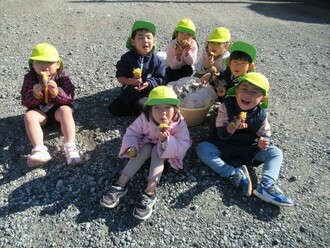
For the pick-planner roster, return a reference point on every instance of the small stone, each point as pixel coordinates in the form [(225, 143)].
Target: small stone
[(275, 242), (293, 179)]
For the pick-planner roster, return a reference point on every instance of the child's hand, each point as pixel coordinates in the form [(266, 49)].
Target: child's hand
[(209, 62), (163, 135), (52, 87), (37, 88), (263, 143), (240, 123), (222, 93), (137, 81), (187, 48), (141, 86), (132, 152)]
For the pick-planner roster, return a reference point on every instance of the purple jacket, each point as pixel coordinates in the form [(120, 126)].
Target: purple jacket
[(144, 130)]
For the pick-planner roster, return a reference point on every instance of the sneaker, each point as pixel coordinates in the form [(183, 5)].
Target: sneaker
[(112, 196), (38, 156), (240, 178), (71, 154), (269, 192), (144, 209)]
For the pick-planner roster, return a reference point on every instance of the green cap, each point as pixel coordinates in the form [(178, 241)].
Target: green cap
[(44, 52), (141, 25), (162, 95), (244, 47), (256, 79)]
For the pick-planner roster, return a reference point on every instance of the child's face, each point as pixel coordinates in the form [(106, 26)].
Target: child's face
[(143, 41), (162, 113), (239, 67), (217, 48), (50, 67), (248, 96), (184, 36)]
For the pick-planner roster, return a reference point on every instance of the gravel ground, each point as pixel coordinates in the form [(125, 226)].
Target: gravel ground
[(58, 206)]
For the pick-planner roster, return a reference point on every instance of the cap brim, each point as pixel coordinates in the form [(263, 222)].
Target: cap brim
[(144, 25), (158, 101), (45, 58), (232, 91), (218, 40)]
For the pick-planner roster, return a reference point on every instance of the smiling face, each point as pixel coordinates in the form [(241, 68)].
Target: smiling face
[(162, 113), (143, 41), (248, 96), (217, 48), (50, 67)]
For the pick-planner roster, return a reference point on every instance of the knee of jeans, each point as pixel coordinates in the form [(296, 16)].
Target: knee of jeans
[(277, 151), (200, 147), (203, 147), (205, 150)]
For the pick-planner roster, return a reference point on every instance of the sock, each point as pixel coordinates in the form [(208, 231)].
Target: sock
[(70, 145)]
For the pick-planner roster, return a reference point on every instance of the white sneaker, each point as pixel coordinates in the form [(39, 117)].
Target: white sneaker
[(38, 156), (71, 154)]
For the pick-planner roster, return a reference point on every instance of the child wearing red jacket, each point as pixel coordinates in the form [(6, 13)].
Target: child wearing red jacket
[(48, 94)]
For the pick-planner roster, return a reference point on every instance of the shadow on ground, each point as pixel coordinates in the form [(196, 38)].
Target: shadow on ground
[(309, 11), (76, 190)]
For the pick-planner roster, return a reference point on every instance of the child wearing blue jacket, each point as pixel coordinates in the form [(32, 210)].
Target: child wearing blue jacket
[(139, 71)]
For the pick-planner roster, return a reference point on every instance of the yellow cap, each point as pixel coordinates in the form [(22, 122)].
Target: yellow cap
[(162, 95), (219, 35), (256, 79), (185, 25), (44, 52)]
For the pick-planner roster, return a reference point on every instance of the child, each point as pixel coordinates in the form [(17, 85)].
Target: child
[(240, 61), (181, 52), (149, 70), (247, 138), (215, 52), (160, 133), (48, 94)]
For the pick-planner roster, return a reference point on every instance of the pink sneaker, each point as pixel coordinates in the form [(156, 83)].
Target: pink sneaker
[(38, 156), (71, 154)]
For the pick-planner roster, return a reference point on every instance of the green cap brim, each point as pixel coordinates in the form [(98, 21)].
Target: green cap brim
[(144, 25), (158, 101), (30, 63), (141, 25), (184, 30), (232, 92)]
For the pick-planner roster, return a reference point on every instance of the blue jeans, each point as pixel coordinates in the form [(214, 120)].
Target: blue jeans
[(211, 155)]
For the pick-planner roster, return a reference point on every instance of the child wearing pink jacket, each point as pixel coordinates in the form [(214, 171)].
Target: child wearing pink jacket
[(181, 52), (159, 133)]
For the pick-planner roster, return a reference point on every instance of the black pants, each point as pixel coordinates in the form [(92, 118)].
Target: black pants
[(174, 75), (131, 106)]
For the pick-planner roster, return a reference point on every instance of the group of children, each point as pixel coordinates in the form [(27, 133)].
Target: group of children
[(160, 132)]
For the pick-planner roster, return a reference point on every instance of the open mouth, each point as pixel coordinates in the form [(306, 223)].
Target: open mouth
[(245, 102)]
